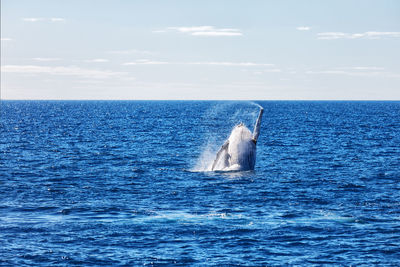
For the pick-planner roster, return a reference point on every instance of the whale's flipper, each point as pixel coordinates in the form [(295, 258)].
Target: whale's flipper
[(257, 126), (222, 155)]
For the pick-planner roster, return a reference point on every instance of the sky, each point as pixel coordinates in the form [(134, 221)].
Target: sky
[(200, 50)]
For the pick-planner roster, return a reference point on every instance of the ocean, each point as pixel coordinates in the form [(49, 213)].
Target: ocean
[(126, 183)]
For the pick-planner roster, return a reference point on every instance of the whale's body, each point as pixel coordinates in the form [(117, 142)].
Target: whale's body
[(238, 153)]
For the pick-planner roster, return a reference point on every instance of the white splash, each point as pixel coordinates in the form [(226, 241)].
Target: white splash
[(257, 105), (206, 159)]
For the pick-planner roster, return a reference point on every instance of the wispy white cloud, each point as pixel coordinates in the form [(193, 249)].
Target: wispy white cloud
[(241, 64), (210, 63), (362, 68), (303, 28), (217, 33), (205, 31), (6, 39), (32, 19), (259, 72), (192, 29), (365, 35), (57, 19), (145, 62), (272, 70), (61, 70), (357, 71), (46, 59), (97, 60), (131, 52), (44, 19)]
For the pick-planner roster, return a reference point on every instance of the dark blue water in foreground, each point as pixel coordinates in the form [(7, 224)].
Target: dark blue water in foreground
[(113, 183)]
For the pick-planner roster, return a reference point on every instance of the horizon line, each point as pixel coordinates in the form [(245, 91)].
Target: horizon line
[(237, 100)]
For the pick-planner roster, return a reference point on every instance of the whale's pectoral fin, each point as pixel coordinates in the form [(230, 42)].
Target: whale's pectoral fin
[(257, 127), (221, 155)]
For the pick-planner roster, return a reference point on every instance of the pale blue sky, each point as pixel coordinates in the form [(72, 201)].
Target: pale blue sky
[(97, 49)]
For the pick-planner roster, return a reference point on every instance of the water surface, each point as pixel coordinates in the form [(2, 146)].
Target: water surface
[(120, 182)]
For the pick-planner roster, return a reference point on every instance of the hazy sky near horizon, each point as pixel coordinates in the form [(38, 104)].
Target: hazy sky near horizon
[(103, 49)]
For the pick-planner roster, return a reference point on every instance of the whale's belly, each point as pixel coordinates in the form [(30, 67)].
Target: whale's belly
[(241, 149), (242, 154)]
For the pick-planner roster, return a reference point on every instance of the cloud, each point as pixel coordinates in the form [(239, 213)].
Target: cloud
[(267, 71), (97, 60), (216, 63), (57, 19), (272, 70), (130, 52), (358, 71), (60, 70), (32, 19), (205, 31), (303, 28), (45, 59), (365, 35), (145, 62), (242, 64), (364, 68), (6, 39), (192, 29), (217, 33), (44, 19)]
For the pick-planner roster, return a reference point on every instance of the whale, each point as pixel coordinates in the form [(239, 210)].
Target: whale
[(238, 153)]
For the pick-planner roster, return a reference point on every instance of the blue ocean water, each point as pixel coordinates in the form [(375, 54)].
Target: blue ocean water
[(123, 183)]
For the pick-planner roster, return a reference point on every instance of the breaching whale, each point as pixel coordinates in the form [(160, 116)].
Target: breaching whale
[(238, 153)]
